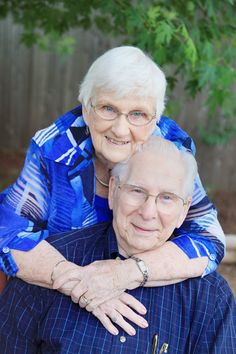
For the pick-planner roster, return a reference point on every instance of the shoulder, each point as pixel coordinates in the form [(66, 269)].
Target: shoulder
[(82, 245), (218, 284), (170, 130), (212, 289), (60, 126), (64, 140)]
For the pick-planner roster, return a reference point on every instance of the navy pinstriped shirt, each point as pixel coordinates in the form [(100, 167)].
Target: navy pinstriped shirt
[(197, 316)]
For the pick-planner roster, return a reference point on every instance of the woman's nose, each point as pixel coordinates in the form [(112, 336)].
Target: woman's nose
[(121, 126)]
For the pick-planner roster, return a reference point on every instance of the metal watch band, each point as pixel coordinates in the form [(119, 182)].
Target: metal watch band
[(143, 268)]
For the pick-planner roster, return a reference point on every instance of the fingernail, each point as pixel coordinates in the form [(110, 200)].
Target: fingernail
[(115, 332), (144, 323), (143, 310), (132, 332)]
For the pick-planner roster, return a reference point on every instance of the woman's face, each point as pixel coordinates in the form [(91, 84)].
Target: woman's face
[(116, 140)]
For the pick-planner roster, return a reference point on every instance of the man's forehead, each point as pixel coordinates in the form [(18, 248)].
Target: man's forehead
[(150, 167)]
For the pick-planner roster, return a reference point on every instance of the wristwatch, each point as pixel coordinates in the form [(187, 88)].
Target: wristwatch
[(143, 268)]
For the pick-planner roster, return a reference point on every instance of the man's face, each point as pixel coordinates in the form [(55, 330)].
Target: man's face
[(148, 226)]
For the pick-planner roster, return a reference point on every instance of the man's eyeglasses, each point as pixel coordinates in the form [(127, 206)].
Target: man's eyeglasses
[(136, 117), (166, 202)]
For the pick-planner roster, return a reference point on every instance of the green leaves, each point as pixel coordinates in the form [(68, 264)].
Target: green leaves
[(194, 41)]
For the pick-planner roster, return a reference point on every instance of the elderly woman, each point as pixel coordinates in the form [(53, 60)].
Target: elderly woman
[(64, 185)]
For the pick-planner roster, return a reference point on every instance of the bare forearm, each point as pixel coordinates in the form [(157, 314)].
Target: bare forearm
[(167, 265), (36, 265)]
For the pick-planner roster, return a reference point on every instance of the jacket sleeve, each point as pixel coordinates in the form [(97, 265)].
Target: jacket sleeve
[(201, 234), (24, 210)]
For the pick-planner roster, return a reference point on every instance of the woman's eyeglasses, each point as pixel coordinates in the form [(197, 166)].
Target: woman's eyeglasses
[(135, 117)]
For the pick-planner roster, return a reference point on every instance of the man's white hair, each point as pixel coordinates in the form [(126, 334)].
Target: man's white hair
[(163, 147), (122, 71)]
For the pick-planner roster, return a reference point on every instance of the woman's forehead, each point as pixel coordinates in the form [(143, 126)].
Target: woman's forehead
[(131, 99)]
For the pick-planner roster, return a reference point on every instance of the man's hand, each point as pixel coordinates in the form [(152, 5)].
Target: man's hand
[(117, 311), (99, 287), (100, 280)]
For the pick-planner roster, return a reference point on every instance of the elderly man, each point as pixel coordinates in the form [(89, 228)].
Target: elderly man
[(150, 195)]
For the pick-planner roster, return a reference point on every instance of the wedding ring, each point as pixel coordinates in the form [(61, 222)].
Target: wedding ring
[(114, 319), (84, 299)]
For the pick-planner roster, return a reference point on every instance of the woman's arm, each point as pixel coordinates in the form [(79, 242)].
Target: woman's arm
[(24, 210)]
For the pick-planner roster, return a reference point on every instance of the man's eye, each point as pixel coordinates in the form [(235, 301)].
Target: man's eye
[(168, 198), (136, 190)]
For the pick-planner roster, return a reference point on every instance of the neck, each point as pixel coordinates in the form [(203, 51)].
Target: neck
[(102, 173)]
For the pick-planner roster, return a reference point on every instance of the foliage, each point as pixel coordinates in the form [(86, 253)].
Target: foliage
[(194, 41)]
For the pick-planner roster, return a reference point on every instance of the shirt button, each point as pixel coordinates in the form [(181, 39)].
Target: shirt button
[(122, 339), (212, 257), (118, 258), (5, 249)]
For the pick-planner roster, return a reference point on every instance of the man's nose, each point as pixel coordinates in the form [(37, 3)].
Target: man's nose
[(149, 209), (121, 126)]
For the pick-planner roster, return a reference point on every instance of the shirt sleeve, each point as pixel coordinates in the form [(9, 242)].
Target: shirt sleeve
[(219, 335), (24, 210), (201, 234)]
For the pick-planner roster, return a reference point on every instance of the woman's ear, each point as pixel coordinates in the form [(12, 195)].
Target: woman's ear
[(84, 113), (112, 185)]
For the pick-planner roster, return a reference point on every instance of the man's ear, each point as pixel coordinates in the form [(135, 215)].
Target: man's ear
[(184, 212), (112, 185)]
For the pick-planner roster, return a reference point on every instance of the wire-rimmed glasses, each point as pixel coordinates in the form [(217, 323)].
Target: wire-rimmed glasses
[(135, 117), (166, 202)]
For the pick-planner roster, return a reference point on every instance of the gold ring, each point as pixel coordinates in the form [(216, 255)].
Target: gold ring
[(84, 299)]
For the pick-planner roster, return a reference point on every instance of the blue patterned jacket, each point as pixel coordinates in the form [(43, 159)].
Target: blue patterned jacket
[(55, 192)]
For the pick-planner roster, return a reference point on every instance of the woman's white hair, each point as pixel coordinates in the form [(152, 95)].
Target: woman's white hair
[(161, 146), (124, 70)]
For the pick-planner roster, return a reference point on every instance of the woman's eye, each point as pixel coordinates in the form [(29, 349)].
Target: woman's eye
[(137, 114), (108, 109)]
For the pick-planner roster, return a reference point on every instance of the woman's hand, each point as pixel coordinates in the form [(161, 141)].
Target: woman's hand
[(100, 280)]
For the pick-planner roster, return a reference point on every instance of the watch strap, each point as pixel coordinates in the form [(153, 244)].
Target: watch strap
[(143, 268)]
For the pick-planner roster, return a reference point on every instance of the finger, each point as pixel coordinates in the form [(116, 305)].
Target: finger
[(77, 292), (98, 301), (84, 300), (132, 316), (119, 320), (105, 321), (133, 303)]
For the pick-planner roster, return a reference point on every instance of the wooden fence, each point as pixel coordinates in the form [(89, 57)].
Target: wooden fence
[(36, 87)]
